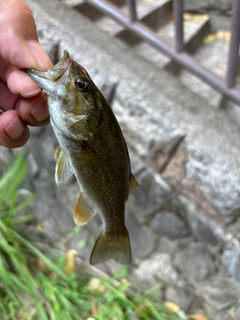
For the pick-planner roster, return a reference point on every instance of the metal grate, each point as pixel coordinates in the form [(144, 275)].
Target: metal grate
[(177, 53)]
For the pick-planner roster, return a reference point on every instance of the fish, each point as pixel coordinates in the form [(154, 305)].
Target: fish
[(93, 148)]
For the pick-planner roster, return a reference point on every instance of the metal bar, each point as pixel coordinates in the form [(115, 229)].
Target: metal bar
[(234, 45), (132, 10), (178, 19), (182, 58)]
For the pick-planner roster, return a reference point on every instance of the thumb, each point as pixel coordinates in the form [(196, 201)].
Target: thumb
[(40, 56), (19, 42)]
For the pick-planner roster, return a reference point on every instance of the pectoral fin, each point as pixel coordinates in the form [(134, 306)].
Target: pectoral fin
[(133, 184), (63, 168), (84, 210), (57, 153)]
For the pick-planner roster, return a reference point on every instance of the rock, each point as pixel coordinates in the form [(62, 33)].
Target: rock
[(168, 224), (195, 262), (142, 239), (42, 209), (142, 196), (201, 231), (68, 191), (64, 216), (218, 292), (157, 268), (231, 262), (47, 148), (174, 170), (137, 165), (168, 246), (151, 194), (49, 225), (45, 187), (32, 167), (179, 296)]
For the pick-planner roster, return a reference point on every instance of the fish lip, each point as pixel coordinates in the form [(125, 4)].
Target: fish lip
[(53, 74)]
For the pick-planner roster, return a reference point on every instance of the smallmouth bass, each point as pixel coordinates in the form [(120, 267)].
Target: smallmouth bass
[(92, 147)]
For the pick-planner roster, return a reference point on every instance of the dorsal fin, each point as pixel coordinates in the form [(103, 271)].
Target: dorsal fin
[(133, 184)]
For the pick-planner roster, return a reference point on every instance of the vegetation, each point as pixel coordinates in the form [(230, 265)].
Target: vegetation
[(34, 285)]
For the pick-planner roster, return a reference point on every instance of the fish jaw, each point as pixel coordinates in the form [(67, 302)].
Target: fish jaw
[(41, 79), (48, 80)]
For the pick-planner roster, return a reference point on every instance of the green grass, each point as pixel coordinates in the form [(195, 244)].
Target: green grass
[(34, 285)]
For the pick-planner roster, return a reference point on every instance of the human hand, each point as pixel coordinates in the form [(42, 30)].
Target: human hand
[(20, 97)]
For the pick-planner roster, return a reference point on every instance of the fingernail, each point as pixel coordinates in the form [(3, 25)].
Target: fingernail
[(40, 55), (15, 128), (40, 111), (31, 93)]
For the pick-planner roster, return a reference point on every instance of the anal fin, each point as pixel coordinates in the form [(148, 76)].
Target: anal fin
[(84, 209)]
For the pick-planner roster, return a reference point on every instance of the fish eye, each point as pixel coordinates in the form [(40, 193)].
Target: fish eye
[(81, 85)]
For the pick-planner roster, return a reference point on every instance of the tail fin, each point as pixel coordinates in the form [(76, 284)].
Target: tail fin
[(109, 247)]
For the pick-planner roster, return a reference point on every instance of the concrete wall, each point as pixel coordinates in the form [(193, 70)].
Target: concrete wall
[(219, 6)]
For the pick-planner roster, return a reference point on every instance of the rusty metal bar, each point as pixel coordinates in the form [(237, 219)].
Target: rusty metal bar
[(178, 19), (234, 45), (182, 58), (132, 10)]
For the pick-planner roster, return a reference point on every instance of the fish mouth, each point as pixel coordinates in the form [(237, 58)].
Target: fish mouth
[(44, 78)]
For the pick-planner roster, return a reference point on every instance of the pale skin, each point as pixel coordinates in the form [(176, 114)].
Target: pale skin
[(21, 98)]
